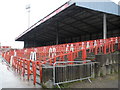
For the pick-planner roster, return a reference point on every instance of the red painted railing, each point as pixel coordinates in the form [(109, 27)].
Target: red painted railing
[(47, 52), (21, 59)]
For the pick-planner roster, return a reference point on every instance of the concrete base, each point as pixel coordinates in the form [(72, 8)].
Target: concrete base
[(108, 69), (103, 71)]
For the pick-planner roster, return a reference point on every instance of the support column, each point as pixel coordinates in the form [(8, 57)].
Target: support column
[(57, 34), (104, 27)]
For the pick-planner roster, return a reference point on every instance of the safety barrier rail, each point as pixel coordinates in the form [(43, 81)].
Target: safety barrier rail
[(47, 52), (107, 46), (29, 60), (66, 72), (27, 67)]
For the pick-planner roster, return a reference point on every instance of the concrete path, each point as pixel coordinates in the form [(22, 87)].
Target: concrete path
[(110, 81), (10, 79)]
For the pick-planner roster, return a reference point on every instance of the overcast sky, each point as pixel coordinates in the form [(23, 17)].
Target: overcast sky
[(14, 17)]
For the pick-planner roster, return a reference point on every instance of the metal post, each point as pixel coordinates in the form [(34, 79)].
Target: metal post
[(54, 73), (57, 34), (28, 18), (28, 10), (104, 27)]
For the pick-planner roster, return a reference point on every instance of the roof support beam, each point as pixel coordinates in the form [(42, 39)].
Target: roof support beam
[(54, 35), (81, 20), (54, 27), (57, 34), (44, 38), (113, 24), (74, 27), (48, 35), (70, 33), (104, 27), (99, 17)]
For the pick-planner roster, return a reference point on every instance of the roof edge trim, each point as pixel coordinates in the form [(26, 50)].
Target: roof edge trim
[(61, 8)]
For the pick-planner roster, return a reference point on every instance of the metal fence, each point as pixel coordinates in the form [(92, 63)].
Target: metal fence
[(70, 71)]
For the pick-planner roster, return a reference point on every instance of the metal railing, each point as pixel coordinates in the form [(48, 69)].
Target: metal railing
[(20, 59), (67, 72), (47, 52)]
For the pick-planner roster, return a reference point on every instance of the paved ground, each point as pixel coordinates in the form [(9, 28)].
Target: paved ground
[(9, 79), (110, 81)]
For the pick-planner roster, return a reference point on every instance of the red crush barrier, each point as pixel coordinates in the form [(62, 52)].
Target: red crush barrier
[(50, 54), (118, 43), (34, 72)]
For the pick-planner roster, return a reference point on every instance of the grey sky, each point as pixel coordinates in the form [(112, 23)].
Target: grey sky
[(14, 17)]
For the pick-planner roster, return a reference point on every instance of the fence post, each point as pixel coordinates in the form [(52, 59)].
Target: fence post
[(20, 66), (54, 59), (84, 54), (71, 57), (109, 47), (17, 64), (28, 69), (96, 50), (14, 63), (40, 68), (34, 72), (118, 43), (50, 61), (23, 68), (104, 48)]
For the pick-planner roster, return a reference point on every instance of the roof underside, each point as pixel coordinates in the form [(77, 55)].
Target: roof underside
[(72, 21)]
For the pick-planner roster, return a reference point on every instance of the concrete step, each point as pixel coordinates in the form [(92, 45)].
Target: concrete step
[(92, 57)]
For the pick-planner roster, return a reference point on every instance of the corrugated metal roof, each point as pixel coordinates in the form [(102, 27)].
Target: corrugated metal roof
[(105, 6)]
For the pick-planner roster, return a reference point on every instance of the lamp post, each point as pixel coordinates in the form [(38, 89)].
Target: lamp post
[(28, 10)]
